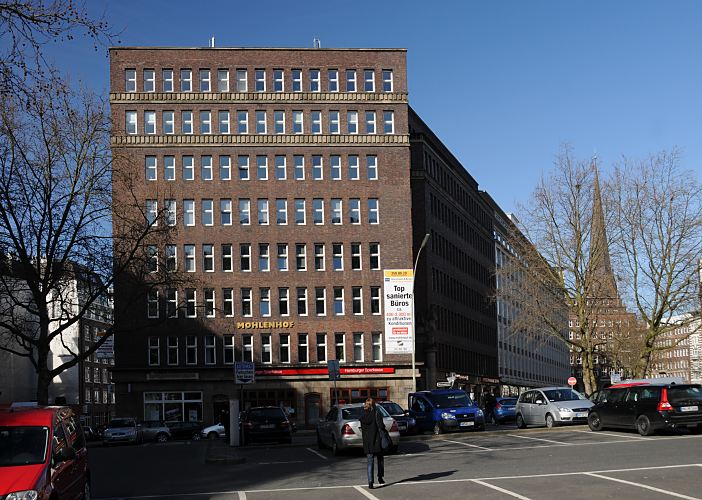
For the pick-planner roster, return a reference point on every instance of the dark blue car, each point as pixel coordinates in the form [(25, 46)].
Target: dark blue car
[(505, 410), (445, 410)]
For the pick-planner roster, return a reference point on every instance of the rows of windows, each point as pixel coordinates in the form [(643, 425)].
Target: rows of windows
[(451, 357), (303, 301), (280, 256), (457, 324), (260, 80), (266, 348), (452, 288), (351, 167), (242, 122), (460, 226), (459, 258), (267, 211)]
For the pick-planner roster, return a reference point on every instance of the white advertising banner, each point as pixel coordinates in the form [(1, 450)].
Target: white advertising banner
[(399, 337)]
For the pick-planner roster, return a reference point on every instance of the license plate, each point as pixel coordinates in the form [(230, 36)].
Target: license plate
[(688, 408), (267, 426), (580, 415), (466, 424)]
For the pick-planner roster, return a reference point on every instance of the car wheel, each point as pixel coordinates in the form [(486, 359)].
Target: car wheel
[(550, 422), (643, 425), (320, 443), (520, 422), (161, 438), (594, 422), (335, 447), (437, 429), (212, 435), (86, 490)]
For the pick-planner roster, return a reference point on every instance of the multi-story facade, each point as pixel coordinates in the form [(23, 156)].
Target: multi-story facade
[(677, 351), (284, 174)]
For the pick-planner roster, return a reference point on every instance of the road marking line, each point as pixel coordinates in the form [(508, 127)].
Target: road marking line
[(613, 435), (242, 495), (501, 490), (316, 453), (466, 444), (288, 462), (541, 439), (631, 483), (365, 493)]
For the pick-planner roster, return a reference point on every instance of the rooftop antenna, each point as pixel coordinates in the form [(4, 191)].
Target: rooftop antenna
[(212, 42), (316, 43)]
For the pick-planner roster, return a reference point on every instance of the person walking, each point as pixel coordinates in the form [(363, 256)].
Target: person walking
[(371, 427)]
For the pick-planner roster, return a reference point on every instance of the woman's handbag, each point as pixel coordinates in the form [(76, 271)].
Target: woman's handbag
[(385, 441)]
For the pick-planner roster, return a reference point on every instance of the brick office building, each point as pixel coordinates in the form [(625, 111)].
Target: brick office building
[(284, 173)]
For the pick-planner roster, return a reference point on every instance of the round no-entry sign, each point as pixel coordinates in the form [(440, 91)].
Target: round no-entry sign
[(572, 381)]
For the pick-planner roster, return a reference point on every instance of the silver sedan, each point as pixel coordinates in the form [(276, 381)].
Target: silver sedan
[(341, 429)]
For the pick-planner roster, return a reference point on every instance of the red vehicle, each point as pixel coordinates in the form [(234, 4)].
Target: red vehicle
[(42, 454)]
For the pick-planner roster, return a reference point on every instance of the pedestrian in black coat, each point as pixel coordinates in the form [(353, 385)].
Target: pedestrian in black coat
[(371, 427)]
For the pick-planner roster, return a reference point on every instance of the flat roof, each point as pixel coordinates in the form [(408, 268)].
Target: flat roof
[(329, 49)]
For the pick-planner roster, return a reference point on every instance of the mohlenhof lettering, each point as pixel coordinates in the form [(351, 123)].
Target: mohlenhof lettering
[(252, 325)]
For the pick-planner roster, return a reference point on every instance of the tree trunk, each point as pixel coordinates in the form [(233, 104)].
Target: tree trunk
[(43, 375), (643, 364), (589, 379)]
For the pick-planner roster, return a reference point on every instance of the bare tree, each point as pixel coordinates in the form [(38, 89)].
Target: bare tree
[(658, 245)]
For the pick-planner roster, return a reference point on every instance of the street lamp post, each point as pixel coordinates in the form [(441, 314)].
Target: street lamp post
[(414, 323)]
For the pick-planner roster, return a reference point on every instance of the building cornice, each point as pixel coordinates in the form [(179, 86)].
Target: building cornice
[(256, 97), (259, 140)]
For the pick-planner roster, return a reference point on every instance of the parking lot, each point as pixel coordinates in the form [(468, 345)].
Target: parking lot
[(537, 463)]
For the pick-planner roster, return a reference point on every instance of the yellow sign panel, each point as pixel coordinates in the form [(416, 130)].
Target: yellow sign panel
[(398, 273)]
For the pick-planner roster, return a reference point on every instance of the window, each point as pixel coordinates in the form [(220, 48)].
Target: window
[(171, 253), (318, 211), (335, 162), (297, 122), (241, 80), (186, 80), (151, 258), (130, 122), (152, 304), (336, 210), (188, 168), (205, 122), (388, 122), (350, 80), (321, 347), (168, 122), (375, 299), (320, 301), (316, 120), (299, 167), (262, 210), (278, 80), (225, 168), (264, 303), (260, 80), (189, 212), (228, 349), (209, 302), (299, 211), (223, 80), (357, 300), (167, 76), (242, 120), (246, 302), (373, 211), (278, 122), (372, 167), (354, 173), (356, 256), (370, 122), (283, 302), (190, 303), (223, 120), (186, 122), (247, 347), (314, 80), (260, 122), (150, 122), (245, 257), (130, 80), (152, 212), (302, 301), (297, 80), (377, 347), (262, 168), (280, 168), (189, 256), (207, 212), (301, 256), (206, 168), (319, 256), (228, 302), (282, 257), (337, 256), (208, 258), (171, 303), (338, 300), (333, 78), (227, 258), (355, 211), (369, 80), (191, 350), (169, 168), (284, 348), (154, 352), (302, 348), (352, 122), (265, 348), (205, 80), (358, 347), (387, 80), (281, 211), (225, 212), (245, 212), (334, 122), (243, 167), (374, 254), (264, 257), (151, 168), (340, 346)]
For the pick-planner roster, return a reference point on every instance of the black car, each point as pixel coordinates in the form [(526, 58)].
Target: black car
[(265, 423), (648, 407), (185, 430), (405, 423)]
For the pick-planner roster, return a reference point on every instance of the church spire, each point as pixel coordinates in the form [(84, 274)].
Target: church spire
[(604, 284)]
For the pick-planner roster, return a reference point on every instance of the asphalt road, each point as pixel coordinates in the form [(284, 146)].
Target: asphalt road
[(570, 463)]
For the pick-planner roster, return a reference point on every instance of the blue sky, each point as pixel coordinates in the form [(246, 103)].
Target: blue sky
[(502, 83)]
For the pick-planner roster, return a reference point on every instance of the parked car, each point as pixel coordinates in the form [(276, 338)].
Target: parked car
[(505, 410), (405, 423), (340, 430), (265, 423), (155, 430), (648, 408), (121, 430), (445, 410), (42, 454), (551, 406), (213, 432), (185, 430)]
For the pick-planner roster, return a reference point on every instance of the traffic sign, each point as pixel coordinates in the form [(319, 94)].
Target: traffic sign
[(572, 381), (244, 372), (334, 370)]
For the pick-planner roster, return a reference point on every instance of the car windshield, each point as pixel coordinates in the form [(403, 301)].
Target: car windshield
[(508, 402), (121, 422), (685, 393), (355, 412), (23, 445), (265, 413), (563, 395), (393, 408), (451, 400)]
